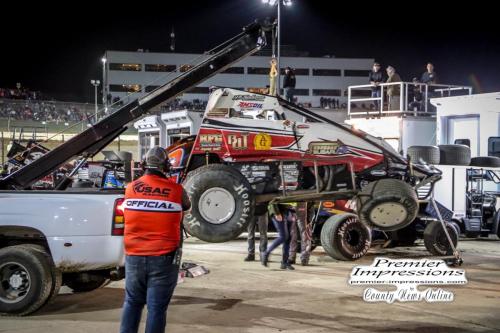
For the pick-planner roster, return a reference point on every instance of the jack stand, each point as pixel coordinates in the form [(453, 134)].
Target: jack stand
[(456, 258)]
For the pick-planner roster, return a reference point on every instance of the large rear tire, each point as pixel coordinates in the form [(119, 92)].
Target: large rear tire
[(435, 239), (454, 155), (387, 204), (222, 203), (25, 280), (428, 154), (343, 237)]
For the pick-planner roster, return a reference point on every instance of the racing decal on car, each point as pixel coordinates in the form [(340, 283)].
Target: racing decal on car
[(218, 112), (262, 141), (149, 205), (250, 105), (258, 98), (324, 148), (238, 141), (210, 142)]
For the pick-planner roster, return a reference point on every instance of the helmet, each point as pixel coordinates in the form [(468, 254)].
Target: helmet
[(156, 158)]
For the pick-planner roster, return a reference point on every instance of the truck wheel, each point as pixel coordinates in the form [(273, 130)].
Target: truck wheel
[(84, 282), (485, 161), (56, 273), (387, 204), (435, 239), (222, 203), (428, 154), (345, 238), (454, 155), (25, 280)]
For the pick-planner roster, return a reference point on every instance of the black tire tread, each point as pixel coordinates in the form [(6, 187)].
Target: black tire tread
[(429, 154), (328, 242), (223, 169), (46, 278), (454, 155), (485, 161), (56, 273), (430, 231)]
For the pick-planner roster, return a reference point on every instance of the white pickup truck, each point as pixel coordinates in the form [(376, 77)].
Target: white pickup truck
[(54, 238)]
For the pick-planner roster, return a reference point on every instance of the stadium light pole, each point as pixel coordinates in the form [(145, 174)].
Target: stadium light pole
[(96, 84), (104, 92), (278, 4)]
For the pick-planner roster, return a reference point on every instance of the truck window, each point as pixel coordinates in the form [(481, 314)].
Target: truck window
[(494, 146)]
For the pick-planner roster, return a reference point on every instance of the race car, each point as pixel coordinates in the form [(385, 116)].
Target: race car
[(254, 149)]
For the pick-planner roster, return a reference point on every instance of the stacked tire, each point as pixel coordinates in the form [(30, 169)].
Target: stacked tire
[(427, 154), (454, 155)]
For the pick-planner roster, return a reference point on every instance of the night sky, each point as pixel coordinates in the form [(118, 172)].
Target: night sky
[(57, 50)]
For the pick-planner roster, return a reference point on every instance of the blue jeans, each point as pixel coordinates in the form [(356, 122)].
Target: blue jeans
[(289, 92), (376, 94), (149, 280), (283, 228)]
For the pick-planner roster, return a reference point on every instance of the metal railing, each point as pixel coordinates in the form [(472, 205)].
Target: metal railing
[(413, 98)]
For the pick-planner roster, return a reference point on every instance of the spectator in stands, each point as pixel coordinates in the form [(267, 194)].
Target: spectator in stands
[(376, 78), (415, 96), (289, 84), (393, 91), (429, 76)]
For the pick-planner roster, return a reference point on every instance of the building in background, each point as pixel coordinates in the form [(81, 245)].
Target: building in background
[(142, 72)]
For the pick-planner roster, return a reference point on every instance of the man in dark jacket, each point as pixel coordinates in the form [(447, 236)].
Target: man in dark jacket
[(376, 78), (289, 84)]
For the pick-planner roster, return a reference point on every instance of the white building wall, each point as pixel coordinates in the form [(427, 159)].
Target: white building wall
[(310, 82), (485, 108)]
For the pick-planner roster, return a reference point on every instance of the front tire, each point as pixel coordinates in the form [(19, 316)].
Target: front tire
[(222, 203), (25, 280), (343, 237), (435, 239)]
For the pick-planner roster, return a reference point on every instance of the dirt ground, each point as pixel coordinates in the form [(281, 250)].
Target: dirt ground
[(246, 297)]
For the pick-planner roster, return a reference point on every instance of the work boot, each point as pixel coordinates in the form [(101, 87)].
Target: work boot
[(304, 262), (250, 257), (264, 258), (287, 266), (291, 261)]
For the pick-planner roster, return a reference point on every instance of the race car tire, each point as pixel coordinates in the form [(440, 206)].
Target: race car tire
[(428, 154), (454, 155), (343, 237), (485, 161), (435, 239), (387, 204), (222, 203)]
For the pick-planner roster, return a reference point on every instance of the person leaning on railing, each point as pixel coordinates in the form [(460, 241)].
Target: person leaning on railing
[(393, 91)]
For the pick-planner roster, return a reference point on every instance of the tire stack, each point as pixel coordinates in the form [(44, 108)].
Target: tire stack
[(450, 155)]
